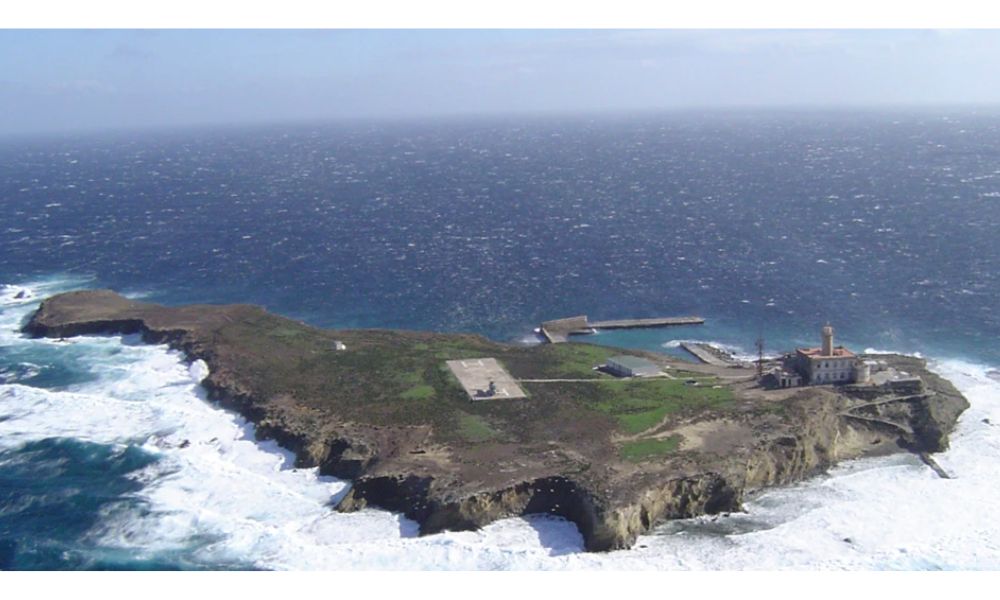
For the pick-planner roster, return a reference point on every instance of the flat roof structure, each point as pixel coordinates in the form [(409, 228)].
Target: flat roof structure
[(838, 352), (632, 366), (475, 375)]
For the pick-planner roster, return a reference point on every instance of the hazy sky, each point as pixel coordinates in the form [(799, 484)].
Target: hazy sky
[(67, 80)]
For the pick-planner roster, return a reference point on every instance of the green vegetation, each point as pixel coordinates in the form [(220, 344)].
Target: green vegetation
[(641, 421), (639, 404), (411, 378), (400, 378), (418, 392), (284, 331), (640, 450), (577, 361), (473, 428), (447, 349)]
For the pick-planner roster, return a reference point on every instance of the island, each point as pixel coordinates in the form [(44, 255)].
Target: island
[(455, 431)]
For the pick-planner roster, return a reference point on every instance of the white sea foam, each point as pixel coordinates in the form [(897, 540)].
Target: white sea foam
[(731, 348), (30, 292), (220, 497), (532, 339), (19, 371), (15, 294), (737, 352), (879, 351), (884, 513)]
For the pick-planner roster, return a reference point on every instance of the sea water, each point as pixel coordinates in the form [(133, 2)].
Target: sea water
[(767, 225)]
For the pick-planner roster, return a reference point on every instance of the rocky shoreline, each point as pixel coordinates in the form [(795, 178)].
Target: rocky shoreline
[(428, 458)]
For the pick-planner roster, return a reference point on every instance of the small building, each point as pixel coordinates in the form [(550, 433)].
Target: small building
[(780, 377), (339, 345), (632, 366), (863, 371), (898, 382)]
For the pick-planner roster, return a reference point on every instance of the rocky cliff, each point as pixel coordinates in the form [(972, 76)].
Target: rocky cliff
[(385, 415)]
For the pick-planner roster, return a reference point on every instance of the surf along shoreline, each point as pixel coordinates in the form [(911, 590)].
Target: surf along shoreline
[(386, 414)]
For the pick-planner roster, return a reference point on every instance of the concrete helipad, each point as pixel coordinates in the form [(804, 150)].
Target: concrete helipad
[(475, 375)]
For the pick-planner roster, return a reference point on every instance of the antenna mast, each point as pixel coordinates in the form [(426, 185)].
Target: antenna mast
[(760, 356)]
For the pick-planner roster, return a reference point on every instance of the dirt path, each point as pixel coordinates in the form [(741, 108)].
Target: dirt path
[(596, 380)]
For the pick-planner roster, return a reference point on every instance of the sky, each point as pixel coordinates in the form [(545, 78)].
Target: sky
[(70, 80)]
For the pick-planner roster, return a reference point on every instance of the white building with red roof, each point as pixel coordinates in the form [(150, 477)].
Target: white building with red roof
[(827, 364)]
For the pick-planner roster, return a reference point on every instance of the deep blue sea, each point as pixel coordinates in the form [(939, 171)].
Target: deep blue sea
[(883, 223)]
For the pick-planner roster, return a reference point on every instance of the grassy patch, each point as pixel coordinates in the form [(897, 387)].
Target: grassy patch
[(558, 361), (641, 421), (390, 378), (288, 331), (578, 360), (474, 429), (418, 392), (640, 450), (641, 404), (410, 378), (454, 350)]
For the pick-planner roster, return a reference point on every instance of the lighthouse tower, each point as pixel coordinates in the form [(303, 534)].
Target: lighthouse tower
[(827, 340)]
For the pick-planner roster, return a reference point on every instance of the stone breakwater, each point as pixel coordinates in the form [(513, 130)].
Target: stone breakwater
[(398, 464)]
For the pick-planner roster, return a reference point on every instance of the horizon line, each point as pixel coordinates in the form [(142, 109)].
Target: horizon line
[(530, 114)]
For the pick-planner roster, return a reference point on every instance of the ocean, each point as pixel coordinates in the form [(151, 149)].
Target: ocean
[(768, 224)]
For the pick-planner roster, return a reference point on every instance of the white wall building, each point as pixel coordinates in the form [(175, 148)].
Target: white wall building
[(827, 364)]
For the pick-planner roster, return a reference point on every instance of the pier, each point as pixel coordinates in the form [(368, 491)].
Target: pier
[(655, 322), (559, 330), (708, 354)]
